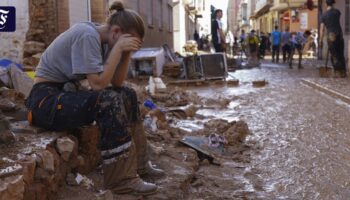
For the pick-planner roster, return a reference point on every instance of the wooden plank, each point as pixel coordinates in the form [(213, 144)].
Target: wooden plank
[(186, 81)]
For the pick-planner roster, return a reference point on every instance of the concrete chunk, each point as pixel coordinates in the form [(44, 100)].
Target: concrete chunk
[(65, 147)]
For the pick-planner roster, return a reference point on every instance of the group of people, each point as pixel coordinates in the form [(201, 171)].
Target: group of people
[(289, 43), (254, 45)]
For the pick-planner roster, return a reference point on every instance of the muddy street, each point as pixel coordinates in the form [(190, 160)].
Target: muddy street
[(300, 137), (297, 147), (285, 140)]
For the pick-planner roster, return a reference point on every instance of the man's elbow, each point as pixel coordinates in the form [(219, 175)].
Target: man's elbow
[(99, 85), (117, 83)]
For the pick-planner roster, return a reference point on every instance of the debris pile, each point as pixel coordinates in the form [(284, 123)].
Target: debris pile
[(34, 163), (172, 69), (42, 161), (38, 173), (234, 132)]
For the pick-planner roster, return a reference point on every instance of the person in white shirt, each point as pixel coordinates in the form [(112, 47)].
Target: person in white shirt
[(218, 37)]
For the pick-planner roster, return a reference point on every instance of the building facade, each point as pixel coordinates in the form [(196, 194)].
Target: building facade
[(294, 15), (158, 17), (41, 21), (233, 16), (12, 42), (244, 15), (190, 16), (264, 20)]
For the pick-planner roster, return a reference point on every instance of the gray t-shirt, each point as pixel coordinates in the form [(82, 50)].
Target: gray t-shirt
[(72, 55)]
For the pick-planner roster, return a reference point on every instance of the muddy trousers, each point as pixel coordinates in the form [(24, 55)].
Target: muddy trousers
[(336, 49), (299, 49), (275, 53), (218, 47), (116, 113), (286, 52)]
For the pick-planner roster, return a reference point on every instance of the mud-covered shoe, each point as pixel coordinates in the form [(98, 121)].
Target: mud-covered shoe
[(136, 186), (150, 171)]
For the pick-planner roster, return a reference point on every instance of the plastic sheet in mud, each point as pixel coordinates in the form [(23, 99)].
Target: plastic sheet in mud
[(200, 144)]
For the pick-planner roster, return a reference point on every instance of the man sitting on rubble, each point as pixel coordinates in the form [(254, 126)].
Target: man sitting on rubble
[(101, 54)]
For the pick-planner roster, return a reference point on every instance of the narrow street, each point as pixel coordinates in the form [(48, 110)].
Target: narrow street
[(301, 146), (174, 100), (297, 149)]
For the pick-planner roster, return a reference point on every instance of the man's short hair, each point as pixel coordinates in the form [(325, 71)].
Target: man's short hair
[(217, 11), (307, 32), (276, 27), (330, 2)]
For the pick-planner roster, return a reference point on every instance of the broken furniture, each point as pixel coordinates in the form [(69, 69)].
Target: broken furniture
[(193, 68), (172, 69), (207, 66), (200, 145), (214, 65), (147, 62)]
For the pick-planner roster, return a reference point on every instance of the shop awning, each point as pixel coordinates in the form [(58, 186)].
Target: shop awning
[(262, 11), (279, 7)]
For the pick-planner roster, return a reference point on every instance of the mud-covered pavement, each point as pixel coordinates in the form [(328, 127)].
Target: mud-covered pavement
[(298, 147), (301, 138)]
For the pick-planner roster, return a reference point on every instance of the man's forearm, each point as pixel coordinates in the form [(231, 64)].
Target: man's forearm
[(121, 72), (222, 36)]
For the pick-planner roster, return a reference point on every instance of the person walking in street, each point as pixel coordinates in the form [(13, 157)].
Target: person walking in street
[(276, 44), (286, 46), (253, 44), (331, 21), (218, 37), (263, 45), (242, 42), (100, 54), (298, 41), (269, 42)]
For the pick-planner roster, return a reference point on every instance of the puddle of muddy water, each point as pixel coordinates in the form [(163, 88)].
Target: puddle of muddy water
[(301, 138), (189, 125), (226, 114)]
